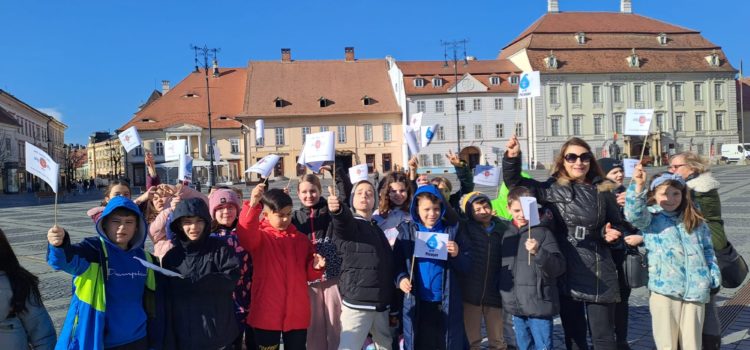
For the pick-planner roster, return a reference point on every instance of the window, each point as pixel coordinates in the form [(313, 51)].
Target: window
[(494, 80), (617, 92), (698, 121), (719, 120), (478, 131), (235, 145), (658, 93), (660, 121), (438, 106), (517, 104), (324, 102), (575, 94), (305, 131), (419, 82), (421, 106), (387, 132), (499, 131), (697, 91), (437, 159), (460, 105), (441, 133), (577, 125), (514, 80), (498, 104), (662, 38), (342, 134), (596, 93), (553, 97), (424, 159), (638, 93), (159, 148), (368, 132), (477, 104), (555, 126), (138, 152), (519, 129), (678, 94), (462, 132), (718, 91), (279, 136), (598, 129), (680, 122), (618, 123), (437, 81)]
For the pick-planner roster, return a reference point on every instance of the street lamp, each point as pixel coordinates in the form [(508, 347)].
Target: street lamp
[(206, 52), (454, 45), (244, 129)]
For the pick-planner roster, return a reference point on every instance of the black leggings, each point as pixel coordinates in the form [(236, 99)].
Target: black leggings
[(622, 308), (270, 340), (601, 322), (246, 334)]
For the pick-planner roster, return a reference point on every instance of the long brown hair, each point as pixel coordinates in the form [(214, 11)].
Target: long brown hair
[(691, 216), (24, 284), (558, 168), (384, 206)]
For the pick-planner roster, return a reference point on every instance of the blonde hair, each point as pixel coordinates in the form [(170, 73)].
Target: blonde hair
[(694, 161)]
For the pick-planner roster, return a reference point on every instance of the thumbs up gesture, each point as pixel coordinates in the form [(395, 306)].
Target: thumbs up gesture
[(334, 205)]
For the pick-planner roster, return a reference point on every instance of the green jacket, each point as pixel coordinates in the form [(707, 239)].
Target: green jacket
[(705, 192), (500, 204)]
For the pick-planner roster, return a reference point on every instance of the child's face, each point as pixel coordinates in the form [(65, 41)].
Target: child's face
[(482, 212), (429, 211), (397, 193), (279, 220), (364, 198), (443, 189), (119, 190), (616, 175), (308, 194), (422, 180), (668, 197), (225, 214), (193, 227), (158, 202), (517, 212), (120, 229)]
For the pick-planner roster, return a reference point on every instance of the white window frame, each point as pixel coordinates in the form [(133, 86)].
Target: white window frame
[(598, 124), (234, 145), (279, 136), (439, 106), (494, 80), (419, 82), (437, 81), (477, 104), (387, 132), (554, 126), (477, 131), (367, 129), (498, 104), (499, 131), (421, 106), (596, 94), (575, 94), (341, 137)]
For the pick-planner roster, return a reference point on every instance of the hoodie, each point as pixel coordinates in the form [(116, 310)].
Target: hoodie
[(200, 310), (107, 303)]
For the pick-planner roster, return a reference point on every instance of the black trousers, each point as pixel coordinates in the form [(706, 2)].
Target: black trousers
[(246, 337), (141, 344), (622, 308), (430, 330), (600, 319), (271, 340)]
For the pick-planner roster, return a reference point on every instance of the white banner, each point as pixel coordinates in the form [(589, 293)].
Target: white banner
[(358, 173), (173, 149), (416, 120), (259, 127), (130, 138), (264, 166), (431, 245), (426, 134), (638, 122), (185, 169), (530, 210), (487, 175), (319, 147), (628, 166), (411, 140), (529, 85), (41, 164), (217, 151)]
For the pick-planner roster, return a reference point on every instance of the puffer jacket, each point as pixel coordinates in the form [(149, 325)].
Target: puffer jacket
[(32, 328), (479, 285), (581, 212), (315, 222), (705, 192), (681, 264)]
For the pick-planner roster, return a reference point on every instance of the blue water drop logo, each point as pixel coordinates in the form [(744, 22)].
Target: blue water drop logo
[(432, 243), (525, 82), (429, 133)]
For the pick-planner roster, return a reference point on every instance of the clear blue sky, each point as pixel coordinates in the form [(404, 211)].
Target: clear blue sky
[(95, 62)]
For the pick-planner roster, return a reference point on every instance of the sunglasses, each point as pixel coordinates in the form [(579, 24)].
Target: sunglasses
[(584, 157)]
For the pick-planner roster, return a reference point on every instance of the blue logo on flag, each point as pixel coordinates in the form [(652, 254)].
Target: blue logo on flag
[(432, 243), (429, 133), (525, 82)]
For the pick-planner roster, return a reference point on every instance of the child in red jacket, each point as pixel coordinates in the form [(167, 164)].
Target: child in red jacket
[(283, 262)]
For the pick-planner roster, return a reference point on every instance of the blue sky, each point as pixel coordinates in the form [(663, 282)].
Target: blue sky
[(94, 62)]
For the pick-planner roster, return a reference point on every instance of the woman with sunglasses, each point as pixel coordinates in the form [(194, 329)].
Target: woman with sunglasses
[(585, 212)]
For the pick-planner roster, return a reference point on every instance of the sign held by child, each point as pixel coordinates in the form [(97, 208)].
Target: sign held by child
[(530, 210), (431, 245)]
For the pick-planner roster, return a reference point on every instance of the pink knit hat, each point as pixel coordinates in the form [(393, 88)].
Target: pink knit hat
[(223, 196)]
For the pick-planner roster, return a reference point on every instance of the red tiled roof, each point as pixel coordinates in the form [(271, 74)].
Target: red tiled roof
[(481, 70), (176, 107), (300, 84), (619, 41), (6, 118)]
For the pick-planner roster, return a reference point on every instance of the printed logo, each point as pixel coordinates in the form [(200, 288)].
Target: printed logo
[(432, 243), (43, 163)]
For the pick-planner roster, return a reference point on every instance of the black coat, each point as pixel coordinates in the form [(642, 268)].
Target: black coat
[(530, 289), (581, 212), (315, 222), (200, 308), (480, 284), (366, 281)]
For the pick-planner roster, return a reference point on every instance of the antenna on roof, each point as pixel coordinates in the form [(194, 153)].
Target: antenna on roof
[(195, 48)]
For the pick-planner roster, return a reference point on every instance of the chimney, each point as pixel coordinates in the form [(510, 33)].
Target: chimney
[(553, 6), (349, 54), (626, 6), (164, 87), (286, 55), (216, 68)]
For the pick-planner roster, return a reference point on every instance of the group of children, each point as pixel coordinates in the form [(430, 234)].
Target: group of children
[(341, 271)]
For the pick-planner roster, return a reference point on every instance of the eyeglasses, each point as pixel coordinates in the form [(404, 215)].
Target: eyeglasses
[(676, 166), (584, 157)]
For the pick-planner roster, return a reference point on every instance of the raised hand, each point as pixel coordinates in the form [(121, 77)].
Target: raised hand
[(453, 158), (334, 205), (56, 236), (513, 147), (413, 163), (639, 177), (257, 194)]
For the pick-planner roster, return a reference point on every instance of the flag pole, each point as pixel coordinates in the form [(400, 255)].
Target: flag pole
[(411, 270), (643, 150), (55, 208), (333, 175), (527, 240)]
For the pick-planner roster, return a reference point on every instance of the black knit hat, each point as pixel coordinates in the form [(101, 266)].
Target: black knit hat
[(607, 164)]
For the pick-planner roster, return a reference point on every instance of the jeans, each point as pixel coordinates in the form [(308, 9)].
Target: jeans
[(533, 333)]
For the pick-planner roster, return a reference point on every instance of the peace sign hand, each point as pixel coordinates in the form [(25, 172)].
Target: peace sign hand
[(453, 158)]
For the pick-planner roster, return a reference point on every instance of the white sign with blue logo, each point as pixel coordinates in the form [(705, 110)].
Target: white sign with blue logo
[(427, 133), (431, 245), (529, 85)]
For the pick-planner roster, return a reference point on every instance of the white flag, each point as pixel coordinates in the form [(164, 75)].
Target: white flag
[(416, 120), (217, 151), (173, 149), (319, 147), (41, 164), (130, 138), (264, 166), (412, 140), (638, 122), (431, 245), (486, 175), (259, 127), (358, 173), (426, 134), (529, 85), (628, 166), (314, 166), (185, 170), (530, 210)]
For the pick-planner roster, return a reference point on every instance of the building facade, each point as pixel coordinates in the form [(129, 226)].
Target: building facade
[(105, 156)]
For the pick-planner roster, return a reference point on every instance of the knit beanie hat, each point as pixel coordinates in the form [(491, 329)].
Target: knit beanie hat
[(223, 196), (468, 199), (607, 164)]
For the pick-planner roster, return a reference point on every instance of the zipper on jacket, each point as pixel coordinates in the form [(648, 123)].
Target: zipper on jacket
[(312, 224)]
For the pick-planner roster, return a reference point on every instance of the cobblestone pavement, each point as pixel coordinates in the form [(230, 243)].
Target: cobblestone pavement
[(26, 220)]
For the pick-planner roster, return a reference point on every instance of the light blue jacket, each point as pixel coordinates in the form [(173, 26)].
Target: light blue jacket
[(681, 265)]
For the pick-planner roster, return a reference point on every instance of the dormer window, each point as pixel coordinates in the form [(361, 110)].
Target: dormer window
[(633, 60), (581, 38), (280, 102), (437, 81), (324, 102), (551, 61), (419, 82), (367, 100), (513, 80), (713, 59), (148, 120), (494, 80), (662, 38), (190, 95)]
